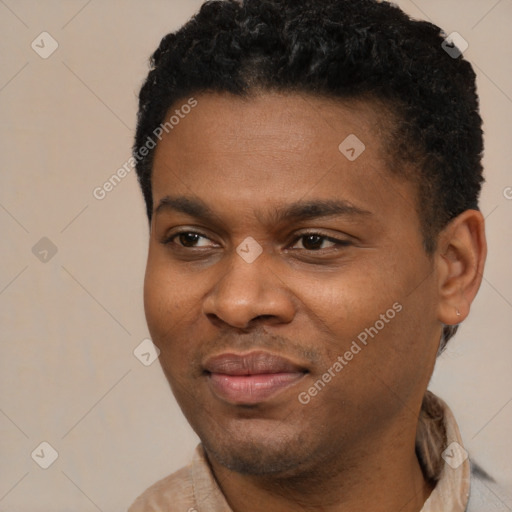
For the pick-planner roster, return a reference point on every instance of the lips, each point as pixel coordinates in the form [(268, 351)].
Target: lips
[(250, 378)]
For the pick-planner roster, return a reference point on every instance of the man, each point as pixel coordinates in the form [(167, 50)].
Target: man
[(311, 171)]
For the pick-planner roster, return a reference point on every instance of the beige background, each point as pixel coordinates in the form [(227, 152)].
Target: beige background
[(69, 326)]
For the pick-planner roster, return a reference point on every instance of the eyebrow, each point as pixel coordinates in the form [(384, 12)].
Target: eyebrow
[(298, 211)]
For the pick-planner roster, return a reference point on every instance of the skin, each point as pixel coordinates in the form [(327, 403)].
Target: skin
[(303, 298)]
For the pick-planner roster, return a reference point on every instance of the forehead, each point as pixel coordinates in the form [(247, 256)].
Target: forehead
[(292, 123), (272, 148)]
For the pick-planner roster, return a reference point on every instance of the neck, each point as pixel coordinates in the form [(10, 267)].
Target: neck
[(384, 476)]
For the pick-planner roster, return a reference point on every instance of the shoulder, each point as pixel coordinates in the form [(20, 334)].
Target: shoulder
[(176, 489), (486, 495)]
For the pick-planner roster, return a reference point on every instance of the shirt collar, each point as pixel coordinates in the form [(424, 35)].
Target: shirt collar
[(452, 489)]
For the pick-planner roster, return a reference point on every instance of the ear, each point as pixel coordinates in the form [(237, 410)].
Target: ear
[(460, 259)]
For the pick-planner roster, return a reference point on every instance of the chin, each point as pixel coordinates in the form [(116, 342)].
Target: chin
[(256, 460), (259, 453)]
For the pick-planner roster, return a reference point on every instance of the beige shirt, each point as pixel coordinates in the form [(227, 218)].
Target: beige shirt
[(194, 489)]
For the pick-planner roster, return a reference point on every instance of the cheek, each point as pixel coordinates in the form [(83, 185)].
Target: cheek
[(373, 312), (165, 301), (158, 299), (172, 304), (349, 302), (162, 307)]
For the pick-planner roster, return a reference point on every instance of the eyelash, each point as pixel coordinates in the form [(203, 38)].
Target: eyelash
[(336, 241)]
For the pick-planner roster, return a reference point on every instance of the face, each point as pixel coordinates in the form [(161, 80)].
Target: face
[(287, 287)]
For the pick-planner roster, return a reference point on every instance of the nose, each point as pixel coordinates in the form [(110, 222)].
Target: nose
[(246, 293)]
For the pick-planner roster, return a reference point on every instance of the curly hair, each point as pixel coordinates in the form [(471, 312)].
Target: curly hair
[(345, 49)]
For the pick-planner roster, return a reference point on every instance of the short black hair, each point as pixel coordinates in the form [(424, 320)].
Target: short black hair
[(345, 49)]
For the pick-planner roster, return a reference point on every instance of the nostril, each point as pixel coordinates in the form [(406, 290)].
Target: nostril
[(262, 317)]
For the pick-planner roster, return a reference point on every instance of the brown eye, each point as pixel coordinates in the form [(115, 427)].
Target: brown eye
[(317, 242), (312, 242), (188, 239)]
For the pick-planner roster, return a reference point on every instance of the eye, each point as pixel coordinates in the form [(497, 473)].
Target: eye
[(317, 241), (188, 239)]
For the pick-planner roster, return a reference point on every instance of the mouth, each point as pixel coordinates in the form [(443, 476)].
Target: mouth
[(252, 378)]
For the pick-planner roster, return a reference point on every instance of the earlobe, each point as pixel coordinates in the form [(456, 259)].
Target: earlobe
[(460, 259)]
